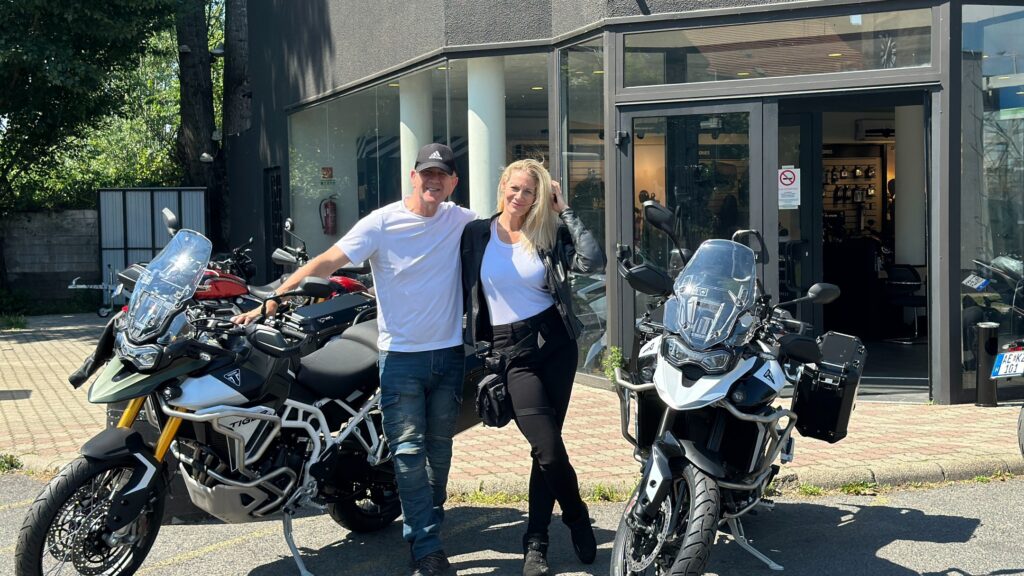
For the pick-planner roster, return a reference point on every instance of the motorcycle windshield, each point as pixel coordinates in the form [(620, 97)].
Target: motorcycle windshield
[(716, 286), (168, 282)]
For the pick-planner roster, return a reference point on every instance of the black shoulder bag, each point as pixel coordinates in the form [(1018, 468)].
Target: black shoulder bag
[(493, 403)]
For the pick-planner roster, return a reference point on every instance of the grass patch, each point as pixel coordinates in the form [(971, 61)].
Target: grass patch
[(982, 479), (1003, 476), (9, 463), (602, 493), (810, 490), (860, 489), (15, 321)]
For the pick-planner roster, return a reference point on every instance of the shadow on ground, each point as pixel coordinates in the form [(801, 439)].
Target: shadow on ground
[(480, 540), (804, 538)]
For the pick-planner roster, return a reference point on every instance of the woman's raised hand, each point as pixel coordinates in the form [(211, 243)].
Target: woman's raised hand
[(557, 199)]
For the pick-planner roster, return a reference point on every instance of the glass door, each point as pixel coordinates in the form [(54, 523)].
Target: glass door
[(704, 163)]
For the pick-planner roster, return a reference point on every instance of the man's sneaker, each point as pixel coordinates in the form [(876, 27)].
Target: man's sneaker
[(433, 564)]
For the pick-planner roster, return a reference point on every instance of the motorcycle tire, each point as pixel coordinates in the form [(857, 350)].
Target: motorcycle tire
[(64, 499), (1020, 430), (694, 536), (366, 511)]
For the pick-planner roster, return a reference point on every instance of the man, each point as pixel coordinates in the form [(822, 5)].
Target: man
[(413, 249)]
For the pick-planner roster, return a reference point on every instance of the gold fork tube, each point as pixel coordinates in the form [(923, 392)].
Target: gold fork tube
[(131, 412), (166, 436)]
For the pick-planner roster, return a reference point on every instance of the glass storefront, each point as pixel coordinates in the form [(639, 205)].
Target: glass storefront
[(581, 71), (780, 48), (992, 176)]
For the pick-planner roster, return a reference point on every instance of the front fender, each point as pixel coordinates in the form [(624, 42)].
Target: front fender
[(147, 474)]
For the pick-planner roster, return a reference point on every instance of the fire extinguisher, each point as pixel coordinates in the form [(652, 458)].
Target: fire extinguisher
[(329, 215)]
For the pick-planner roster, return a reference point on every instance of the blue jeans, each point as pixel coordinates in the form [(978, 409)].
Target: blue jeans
[(421, 393)]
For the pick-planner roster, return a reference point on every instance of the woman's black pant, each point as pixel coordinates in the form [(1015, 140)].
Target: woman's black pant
[(540, 378)]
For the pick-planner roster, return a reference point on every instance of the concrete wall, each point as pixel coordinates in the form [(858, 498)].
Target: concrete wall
[(43, 251)]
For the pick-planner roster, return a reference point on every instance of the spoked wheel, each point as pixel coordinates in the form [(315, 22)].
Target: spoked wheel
[(657, 549), (65, 529), (369, 508)]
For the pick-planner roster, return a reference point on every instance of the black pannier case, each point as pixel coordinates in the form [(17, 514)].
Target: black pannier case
[(824, 398), (331, 316)]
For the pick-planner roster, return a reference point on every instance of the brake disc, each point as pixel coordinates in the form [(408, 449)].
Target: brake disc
[(635, 564)]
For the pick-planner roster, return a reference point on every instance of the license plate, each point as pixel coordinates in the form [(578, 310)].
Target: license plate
[(976, 282), (1008, 364)]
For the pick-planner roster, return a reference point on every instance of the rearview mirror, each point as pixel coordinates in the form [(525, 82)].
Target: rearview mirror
[(661, 218), (170, 221), (289, 224), (823, 293)]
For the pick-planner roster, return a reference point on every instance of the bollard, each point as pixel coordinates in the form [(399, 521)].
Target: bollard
[(988, 345)]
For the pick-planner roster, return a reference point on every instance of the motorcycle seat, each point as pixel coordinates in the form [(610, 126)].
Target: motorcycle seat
[(344, 365), (263, 292)]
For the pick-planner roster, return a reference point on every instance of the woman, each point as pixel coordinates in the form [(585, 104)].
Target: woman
[(515, 281)]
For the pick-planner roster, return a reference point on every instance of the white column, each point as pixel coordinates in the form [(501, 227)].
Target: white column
[(417, 121), (911, 189), (486, 131)]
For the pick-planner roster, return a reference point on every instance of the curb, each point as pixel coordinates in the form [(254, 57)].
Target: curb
[(910, 473)]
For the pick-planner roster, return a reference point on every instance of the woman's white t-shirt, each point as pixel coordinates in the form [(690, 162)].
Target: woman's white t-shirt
[(513, 281)]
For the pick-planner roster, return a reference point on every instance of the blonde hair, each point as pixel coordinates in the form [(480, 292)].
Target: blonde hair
[(540, 225)]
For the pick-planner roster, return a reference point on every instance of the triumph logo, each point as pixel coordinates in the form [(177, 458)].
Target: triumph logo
[(234, 377), (768, 375)]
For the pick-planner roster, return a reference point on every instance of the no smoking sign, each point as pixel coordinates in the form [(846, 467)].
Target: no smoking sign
[(789, 188)]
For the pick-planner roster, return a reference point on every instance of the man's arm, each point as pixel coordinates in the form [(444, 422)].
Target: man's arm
[(328, 261)]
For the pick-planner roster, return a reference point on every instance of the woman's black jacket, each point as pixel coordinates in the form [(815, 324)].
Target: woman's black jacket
[(575, 250)]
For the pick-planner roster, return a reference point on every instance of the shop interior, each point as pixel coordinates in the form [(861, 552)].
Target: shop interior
[(864, 195)]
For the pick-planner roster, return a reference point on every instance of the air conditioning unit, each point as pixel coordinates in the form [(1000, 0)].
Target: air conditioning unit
[(875, 129)]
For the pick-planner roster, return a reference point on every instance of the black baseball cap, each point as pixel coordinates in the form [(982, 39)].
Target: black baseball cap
[(436, 156)]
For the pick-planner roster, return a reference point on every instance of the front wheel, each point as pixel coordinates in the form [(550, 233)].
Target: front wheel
[(1020, 430), (65, 529), (684, 552), (368, 509)]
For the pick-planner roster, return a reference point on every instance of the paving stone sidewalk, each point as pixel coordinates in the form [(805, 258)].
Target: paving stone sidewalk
[(44, 421)]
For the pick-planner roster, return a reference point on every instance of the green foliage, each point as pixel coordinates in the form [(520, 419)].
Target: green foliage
[(66, 66), (9, 463), (810, 490), (15, 321), (982, 479), (612, 360), (860, 488), (602, 493)]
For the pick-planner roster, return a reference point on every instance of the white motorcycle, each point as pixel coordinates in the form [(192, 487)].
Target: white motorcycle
[(699, 400)]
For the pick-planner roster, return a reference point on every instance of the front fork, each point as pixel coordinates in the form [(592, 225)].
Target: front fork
[(656, 481), (129, 501)]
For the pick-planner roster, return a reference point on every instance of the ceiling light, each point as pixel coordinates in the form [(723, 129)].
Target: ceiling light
[(1020, 93), (835, 55), (983, 56), (743, 73), (536, 88), (1002, 78), (393, 84), (442, 67), (598, 71)]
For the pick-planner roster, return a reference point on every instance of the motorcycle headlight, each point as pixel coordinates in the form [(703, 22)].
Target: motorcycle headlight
[(677, 354), (142, 357)]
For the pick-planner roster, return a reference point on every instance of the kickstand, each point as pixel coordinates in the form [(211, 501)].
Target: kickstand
[(288, 512), (736, 528)]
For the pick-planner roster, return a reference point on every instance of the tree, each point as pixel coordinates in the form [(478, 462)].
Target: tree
[(59, 62), (197, 151)]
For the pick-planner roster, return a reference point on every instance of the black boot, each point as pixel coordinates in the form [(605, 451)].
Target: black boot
[(583, 541), (535, 555)]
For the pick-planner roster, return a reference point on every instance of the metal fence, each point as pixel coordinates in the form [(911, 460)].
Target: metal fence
[(131, 223)]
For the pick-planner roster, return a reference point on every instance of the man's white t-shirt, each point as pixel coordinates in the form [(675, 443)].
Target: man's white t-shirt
[(416, 273)]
